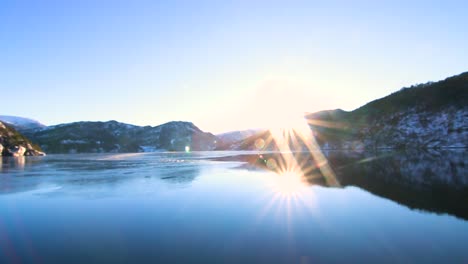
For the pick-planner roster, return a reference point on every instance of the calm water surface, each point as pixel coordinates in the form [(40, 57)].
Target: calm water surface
[(234, 207)]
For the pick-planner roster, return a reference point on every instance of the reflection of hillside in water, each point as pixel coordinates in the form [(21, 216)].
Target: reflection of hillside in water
[(431, 181), (14, 164), (436, 182), (418, 170)]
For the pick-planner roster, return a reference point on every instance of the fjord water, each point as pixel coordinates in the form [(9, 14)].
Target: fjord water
[(216, 207)]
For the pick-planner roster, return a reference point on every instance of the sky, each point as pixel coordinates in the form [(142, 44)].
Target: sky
[(223, 65)]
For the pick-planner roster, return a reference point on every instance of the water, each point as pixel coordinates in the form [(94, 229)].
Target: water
[(234, 207)]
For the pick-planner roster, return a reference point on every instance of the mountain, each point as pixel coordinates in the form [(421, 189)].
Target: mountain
[(12, 143), (430, 115), (21, 123), (226, 140), (113, 136)]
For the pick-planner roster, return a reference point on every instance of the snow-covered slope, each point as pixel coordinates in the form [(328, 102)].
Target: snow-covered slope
[(410, 128), (21, 123), (446, 128)]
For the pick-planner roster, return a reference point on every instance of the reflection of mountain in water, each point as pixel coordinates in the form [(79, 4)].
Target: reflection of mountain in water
[(436, 182)]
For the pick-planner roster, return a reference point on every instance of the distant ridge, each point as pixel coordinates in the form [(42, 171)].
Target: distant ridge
[(228, 138), (113, 136)]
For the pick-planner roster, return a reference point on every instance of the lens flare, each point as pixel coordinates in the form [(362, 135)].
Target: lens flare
[(295, 166), (259, 144), (290, 138)]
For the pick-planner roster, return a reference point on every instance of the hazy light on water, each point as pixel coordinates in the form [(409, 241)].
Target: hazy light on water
[(288, 184)]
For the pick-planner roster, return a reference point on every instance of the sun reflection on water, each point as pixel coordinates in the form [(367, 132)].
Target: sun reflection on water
[(288, 184), (294, 169), (291, 194)]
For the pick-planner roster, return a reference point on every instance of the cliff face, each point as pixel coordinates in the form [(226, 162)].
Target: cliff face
[(12, 143), (112, 136)]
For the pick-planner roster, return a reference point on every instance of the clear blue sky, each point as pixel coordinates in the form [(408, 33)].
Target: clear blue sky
[(220, 64)]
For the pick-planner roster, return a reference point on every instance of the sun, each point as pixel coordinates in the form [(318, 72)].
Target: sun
[(281, 110)]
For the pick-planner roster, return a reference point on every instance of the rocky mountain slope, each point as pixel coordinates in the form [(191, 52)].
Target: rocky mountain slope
[(12, 143), (112, 136), (431, 115)]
